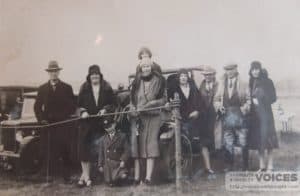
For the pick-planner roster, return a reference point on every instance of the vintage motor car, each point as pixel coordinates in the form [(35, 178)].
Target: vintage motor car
[(12, 99), (21, 143)]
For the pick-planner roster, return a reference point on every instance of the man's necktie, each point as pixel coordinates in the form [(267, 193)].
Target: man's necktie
[(230, 83), (209, 86)]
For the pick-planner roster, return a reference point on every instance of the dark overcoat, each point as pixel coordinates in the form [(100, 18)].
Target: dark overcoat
[(112, 151), (91, 129), (188, 105), (54, 106), (208, 120), (262, 134)]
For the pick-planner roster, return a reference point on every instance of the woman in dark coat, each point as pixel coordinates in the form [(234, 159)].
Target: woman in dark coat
[(147, 92), (191, 104), (192, 110), (95, 97), (262, 134)]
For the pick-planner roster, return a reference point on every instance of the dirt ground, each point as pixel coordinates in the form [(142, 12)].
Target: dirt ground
[(287, 157)]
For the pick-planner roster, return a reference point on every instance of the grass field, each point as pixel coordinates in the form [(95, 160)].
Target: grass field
[(286, 158), (290, 106)]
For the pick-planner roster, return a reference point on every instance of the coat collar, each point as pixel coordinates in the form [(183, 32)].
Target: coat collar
[(240, 85), (203, 86), (100, 95), (182, 93), (192, 86), (57, 83), (112, 141)]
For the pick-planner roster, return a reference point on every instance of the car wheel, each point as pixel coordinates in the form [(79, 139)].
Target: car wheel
[(186, 161), (30, 160)]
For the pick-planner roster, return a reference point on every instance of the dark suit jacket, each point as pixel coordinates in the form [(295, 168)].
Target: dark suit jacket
[(116, 149), (208, 96), (112, 152), (54, 106)]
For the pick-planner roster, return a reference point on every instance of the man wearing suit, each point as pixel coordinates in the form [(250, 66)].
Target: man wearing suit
[(113, 154), (232, 102), (54, 103)]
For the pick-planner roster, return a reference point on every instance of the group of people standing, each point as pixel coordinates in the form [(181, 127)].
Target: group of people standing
[(243, 109)]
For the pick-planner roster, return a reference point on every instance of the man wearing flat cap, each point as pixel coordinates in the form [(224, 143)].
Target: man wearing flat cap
[(232, 103), (208, 89), (54, 103)]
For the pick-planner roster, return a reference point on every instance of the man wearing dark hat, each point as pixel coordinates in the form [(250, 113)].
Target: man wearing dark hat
[(232, 103), (113, 154), (54, 103)]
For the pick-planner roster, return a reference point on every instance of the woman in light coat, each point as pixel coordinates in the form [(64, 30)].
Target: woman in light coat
[(148, 91)]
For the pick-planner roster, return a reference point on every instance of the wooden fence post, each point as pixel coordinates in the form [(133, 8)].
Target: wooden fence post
[(178, 156)]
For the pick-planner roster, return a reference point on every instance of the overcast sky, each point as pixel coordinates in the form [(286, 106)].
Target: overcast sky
[(78, 33)]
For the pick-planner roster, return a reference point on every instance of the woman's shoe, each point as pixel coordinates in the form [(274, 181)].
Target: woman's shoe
[(136, 182), (88, 183), (111, 185), (209, 171), (148, 182), (261, 170), (80, 183), (210, 174)]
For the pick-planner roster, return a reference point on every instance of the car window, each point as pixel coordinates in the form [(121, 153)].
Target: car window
[(28, 107)]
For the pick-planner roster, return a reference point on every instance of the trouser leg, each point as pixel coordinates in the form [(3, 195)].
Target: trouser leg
[(245, 155), (66, 161), (63, 149), (229, 146), (46, 151), (242, 136)]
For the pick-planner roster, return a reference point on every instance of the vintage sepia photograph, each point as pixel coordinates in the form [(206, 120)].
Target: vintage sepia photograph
[(149, 98)]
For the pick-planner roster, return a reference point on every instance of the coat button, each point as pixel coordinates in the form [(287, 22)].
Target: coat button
[(107, 151), (115, 151)]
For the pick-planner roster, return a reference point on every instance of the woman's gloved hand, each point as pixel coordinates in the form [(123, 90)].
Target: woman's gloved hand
[(194, 115)]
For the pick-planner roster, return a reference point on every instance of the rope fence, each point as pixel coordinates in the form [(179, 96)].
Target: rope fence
[(89, 117), (173, 106)]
